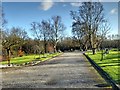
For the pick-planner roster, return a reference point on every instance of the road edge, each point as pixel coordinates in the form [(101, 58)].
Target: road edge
[(33, 64), (103, 73)]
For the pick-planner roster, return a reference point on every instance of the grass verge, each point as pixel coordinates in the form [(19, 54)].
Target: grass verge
[(30, 58), (110, 63)]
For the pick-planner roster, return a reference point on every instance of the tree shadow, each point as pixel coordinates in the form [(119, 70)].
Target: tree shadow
[(118, 81), (112, 56), (117, 61), (110, 65), (103, 85)]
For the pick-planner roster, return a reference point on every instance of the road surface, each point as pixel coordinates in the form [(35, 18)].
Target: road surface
[(69, 70)]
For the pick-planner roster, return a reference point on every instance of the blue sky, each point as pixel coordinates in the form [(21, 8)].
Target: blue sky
[(21, 14)]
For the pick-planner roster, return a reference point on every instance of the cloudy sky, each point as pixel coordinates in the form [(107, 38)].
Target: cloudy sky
[(23, 13)]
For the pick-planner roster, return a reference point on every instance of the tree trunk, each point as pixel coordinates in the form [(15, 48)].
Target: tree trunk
[(55, 49), (90, 41), (8, 56), (84, 47), (93, 50), (45, 47)]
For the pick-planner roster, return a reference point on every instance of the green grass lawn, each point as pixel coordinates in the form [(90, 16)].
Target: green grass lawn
[(30, 58), (109, 64)]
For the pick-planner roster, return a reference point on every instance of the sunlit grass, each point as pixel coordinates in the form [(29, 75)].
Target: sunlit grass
[(30, 58), (110, 63)]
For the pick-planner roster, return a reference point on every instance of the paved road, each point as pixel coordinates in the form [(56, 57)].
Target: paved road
[(70, 70)]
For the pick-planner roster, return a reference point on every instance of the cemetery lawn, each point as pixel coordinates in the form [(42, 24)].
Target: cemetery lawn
[(30, 58), (110, 63)]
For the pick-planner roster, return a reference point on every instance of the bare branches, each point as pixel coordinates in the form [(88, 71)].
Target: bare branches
[(49, 30), (88, 21), (15, 36), (56, 30), (35, 29)]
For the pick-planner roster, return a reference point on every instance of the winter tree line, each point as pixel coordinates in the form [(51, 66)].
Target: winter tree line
[(89, 30)]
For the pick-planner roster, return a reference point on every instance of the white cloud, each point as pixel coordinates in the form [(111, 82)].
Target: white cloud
[(47, 4), (114, 11), (76, 4)]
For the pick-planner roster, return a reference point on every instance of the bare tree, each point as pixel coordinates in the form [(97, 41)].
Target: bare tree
[(57, 29), (104, 30), (15, 36), (2, 17), (41, 31), (45, 28), (37, 33), (79, 33), (91, 15), (2, 28)]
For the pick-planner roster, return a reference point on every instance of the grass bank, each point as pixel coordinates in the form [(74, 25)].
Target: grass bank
[(110, 63), (30, 58)]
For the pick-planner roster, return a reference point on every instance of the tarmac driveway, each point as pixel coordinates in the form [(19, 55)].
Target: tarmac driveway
[(69, 70)]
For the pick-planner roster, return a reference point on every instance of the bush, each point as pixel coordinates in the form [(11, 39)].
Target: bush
[(20, 53)]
